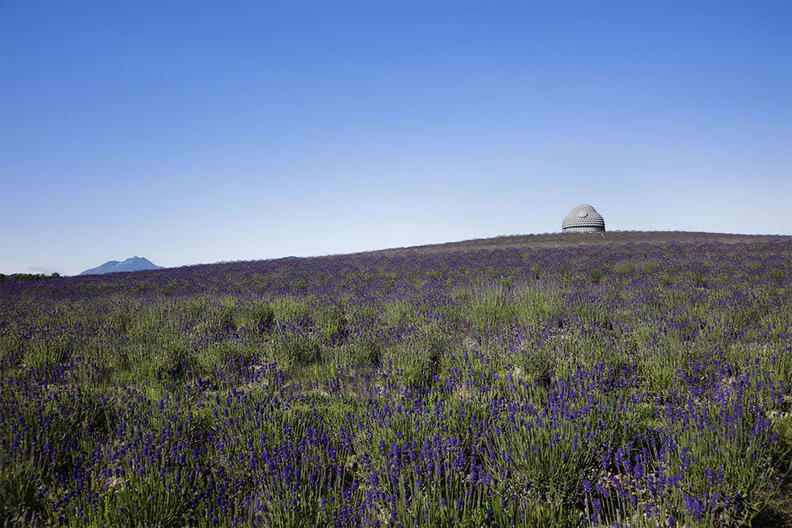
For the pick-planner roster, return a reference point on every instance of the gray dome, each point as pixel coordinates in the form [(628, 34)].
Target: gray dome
[(583, 218)]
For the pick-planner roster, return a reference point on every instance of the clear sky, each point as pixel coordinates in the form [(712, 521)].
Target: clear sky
[(193, 132)]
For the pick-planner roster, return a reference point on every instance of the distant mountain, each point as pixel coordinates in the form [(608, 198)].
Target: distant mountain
[(130, 264)]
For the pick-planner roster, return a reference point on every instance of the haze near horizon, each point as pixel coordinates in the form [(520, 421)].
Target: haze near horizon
[(204, 132)]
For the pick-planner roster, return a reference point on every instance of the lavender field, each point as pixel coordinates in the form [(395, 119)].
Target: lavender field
[(626, 379)]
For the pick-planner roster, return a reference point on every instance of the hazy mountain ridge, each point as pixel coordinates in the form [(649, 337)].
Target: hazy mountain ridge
[(114, 266)]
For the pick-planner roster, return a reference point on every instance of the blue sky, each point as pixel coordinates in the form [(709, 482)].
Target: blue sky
[(193, 132)]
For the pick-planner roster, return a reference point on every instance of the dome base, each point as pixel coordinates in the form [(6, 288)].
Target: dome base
[(583, 230)]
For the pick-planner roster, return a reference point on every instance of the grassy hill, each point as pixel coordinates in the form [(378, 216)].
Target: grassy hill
[(636, 378)]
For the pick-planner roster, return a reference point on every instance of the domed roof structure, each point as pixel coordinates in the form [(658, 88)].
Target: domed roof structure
[(583, 219)]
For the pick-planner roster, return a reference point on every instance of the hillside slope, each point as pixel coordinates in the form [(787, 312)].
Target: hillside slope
[(631, 378)]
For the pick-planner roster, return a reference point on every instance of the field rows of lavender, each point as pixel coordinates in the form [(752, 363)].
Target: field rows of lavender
[(618, 380)]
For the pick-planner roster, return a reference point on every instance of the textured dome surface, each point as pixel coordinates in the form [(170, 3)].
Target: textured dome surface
[(583, 217)]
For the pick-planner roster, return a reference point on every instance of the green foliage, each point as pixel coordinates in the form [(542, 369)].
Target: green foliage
[(19, 277), (533, 306), (624, 268), (288, 308), (395, 313), (20, 503), (523, 305), (332, 324)]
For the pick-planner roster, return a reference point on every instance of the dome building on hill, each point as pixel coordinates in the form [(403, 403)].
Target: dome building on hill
[(583, 219)]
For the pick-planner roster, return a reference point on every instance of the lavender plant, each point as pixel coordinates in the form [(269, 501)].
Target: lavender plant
[(631, 379)]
